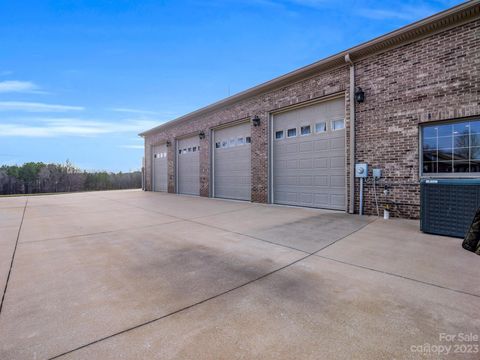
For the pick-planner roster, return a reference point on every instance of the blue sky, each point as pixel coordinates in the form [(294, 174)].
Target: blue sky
[(80, 79)]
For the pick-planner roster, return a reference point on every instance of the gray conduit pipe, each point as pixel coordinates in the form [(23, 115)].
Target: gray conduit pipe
[(351, 203)]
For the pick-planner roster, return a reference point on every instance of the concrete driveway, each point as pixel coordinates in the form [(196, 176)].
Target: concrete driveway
[(134, 275)]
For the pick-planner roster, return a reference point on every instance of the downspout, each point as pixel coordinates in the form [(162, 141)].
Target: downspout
[(351, 202)]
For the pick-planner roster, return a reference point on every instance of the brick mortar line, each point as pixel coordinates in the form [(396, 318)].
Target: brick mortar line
[(13, 256), (397, 275), (201, 301)]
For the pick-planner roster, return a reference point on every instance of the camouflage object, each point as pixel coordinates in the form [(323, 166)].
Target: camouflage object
[(472, 238)]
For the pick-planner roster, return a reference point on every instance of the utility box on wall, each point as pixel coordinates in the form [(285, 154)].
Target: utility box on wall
[(447, 206)]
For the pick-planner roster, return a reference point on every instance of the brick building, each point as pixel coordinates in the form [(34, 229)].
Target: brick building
[(295, 139)]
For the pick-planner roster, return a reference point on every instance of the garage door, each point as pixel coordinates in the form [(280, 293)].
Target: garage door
[(188, 166), (160, 168), (232, 174), (309, 156)]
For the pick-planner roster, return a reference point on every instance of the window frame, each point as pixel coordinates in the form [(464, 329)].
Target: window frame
[(321, 122), (296, 133), (437, 175), (304, 126), (334, 120)]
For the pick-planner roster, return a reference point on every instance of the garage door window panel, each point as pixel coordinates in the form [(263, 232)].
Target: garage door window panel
[(291, 132), (320, 127), (338, 125), (305, 130), (279, 135)]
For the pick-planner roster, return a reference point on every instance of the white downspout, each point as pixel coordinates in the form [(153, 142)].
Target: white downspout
[(351, 203)]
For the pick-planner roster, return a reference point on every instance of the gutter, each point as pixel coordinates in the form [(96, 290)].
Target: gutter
[(351, 202)]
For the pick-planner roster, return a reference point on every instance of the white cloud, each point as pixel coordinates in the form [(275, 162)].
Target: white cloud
[(56, 127), (16, 86), (132, 147), (134, 111), (402, 12), (36, 107)]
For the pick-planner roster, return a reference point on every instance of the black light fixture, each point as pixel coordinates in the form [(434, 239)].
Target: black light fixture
[(256, 121), (168, 143), (201, 135), (359, 95)]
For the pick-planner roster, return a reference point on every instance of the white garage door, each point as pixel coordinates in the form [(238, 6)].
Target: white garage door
[(232, 165), (160, 168), (309, 156), (188, 166)]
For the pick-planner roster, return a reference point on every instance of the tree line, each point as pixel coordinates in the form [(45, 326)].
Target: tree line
[(38, 177)]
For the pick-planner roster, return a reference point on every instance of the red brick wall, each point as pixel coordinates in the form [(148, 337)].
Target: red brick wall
[(331, 82), (436, 78), (432, 79)]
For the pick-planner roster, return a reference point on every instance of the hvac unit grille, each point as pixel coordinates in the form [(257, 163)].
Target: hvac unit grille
[(448, 206)]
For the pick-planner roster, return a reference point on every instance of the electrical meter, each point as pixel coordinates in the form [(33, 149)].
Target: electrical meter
[(361, 170)]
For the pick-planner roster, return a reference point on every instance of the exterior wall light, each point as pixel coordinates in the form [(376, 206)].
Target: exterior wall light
[(168, 143), (201, 135), (256, 121), (359, 95)]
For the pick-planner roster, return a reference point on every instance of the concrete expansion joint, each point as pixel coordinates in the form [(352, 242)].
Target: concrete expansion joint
[(145, 209), (99, 233), (398, 276), (246, 235), (182, 309), (13, 256), (308, 255)]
